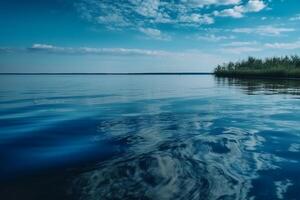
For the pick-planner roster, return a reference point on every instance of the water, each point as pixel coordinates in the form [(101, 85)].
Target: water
[(148, 137)]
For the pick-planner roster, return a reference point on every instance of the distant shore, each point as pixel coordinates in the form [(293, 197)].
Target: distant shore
[(276, 67), (150, 73)]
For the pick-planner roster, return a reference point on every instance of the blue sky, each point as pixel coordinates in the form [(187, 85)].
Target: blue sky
[(143, 35)]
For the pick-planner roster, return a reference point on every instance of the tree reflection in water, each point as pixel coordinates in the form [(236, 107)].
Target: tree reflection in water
[(262, 86)]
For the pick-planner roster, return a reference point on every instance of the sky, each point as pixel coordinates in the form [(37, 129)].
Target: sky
[(143, 35)]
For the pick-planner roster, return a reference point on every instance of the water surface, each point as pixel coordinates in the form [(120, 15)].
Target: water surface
[(148, 137)]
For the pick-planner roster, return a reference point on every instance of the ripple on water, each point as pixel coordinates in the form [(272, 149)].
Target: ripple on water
[(185, 163), (150, 137)]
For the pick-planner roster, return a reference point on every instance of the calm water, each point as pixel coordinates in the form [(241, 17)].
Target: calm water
[(148, 137)]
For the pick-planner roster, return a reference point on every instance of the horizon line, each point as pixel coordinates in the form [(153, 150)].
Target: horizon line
[(107, 73)]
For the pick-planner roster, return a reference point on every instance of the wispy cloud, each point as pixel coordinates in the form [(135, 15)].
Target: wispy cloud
[(196, 19), (6, 50), (202, 3), (241, 47), (295, 18), (213, 37), (237, 47), (264, 30), (51, 49), (240, 50), (235, 12), (284, 46), (185, 60), (239, 43), (154, 33), (146, 16), (96, 51)]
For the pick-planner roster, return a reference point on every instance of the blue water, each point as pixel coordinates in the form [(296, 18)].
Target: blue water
[(148, 137)]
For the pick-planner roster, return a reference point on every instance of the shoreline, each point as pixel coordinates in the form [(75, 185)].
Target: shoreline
[(150, 73), (256, 77)]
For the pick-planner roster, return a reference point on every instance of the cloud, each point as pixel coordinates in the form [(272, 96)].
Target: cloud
[(196, 18), (111, 19), (240, 47), (201, 3), (45, 48), (295, 18), (264, 30), (213, 38), (235, 12), (238, 43), (148, 8), (6, 50), (238, 11), (254, 6), (154, 33), (121, 59), (143, 15), (240, 50), (237, 47), (51, 49), (284, 46)]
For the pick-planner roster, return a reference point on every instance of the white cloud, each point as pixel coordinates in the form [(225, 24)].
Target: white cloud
[(201, 3), (45, 48), (284, 46), (196, 18), (254, 46), (264, 30), (134, 14), (213, 38), (238, 43), (154, 33), (147, 8), (263, 18), (126, 60), (235, 12), (113, 18), (238, 11), (240, 47), (151, 32), (295, 18), (254, 6), (240, 50)]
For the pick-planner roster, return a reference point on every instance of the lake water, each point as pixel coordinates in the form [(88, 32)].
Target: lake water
[(148, 137)]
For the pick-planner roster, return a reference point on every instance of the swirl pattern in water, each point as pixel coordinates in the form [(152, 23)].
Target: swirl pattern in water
[(149, 137)]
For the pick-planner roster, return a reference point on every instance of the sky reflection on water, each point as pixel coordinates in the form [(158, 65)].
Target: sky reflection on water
[(148, 137)]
